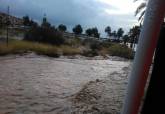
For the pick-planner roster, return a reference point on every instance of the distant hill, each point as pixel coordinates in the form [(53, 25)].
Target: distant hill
[(15, 21)]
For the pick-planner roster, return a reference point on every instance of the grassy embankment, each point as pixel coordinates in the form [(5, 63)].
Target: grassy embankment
[(19, 47)]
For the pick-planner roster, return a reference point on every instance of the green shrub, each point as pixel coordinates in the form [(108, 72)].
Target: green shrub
[(93, 44), (47, 35), (74, 42), (121, 51), (106, 44)]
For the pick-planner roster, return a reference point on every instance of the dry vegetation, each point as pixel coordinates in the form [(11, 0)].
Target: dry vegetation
[(19, 47)]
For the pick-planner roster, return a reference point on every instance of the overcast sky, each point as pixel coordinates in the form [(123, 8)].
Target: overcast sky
[(88, 13)]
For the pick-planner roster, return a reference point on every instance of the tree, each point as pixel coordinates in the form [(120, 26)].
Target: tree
[(95, 32), (120, 33), (88, 32), (114, 34), (108, 30), (26, 21), (125, 39), (134, 35), (32, 23), (62, 28), (77, 29), (44, 34), (141, 9)]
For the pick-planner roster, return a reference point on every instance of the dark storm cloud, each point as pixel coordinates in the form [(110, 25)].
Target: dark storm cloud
[(89, 13), (58, 11)]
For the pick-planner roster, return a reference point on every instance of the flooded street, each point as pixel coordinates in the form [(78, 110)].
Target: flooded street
[(33, 84)]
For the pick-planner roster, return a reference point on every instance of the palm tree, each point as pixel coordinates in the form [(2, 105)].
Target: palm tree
[(134, 35), (108, 31), (126, 38), (141, 9), (120, 33)]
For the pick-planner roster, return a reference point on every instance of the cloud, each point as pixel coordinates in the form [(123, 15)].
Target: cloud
[(89, 13)]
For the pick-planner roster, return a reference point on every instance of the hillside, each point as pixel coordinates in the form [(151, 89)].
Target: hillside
[(15, 21)]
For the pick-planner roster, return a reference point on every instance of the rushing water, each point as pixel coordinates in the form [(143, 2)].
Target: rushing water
[(32, 84)]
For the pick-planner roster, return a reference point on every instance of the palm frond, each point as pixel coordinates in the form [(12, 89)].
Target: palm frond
[(141, 21), (135, 0), (139, 0), (141, 15), (142, 6)]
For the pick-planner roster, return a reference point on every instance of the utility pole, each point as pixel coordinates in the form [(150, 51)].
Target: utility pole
[(7, 29)]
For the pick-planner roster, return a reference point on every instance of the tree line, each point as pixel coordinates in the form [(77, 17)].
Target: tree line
[(79, 30), (48, 33)]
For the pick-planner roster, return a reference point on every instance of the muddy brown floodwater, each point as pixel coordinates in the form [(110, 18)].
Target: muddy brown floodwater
[(32, 84)]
